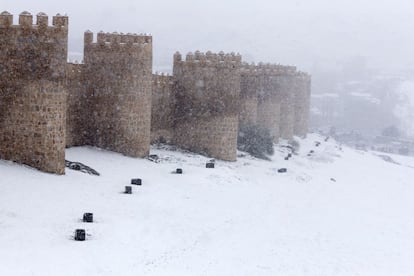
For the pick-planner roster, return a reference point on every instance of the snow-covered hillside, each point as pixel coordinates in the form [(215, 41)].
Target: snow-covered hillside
[(336, 212)]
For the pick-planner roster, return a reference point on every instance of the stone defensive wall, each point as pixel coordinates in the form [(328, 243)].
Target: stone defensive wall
[(118, 70), (302, 104), (163, 108), (249, 95), (113, 101), (32, 92), (267, 98), (207, 88), (77, 120)]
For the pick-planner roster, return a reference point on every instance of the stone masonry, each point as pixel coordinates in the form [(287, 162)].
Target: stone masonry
[(207, 109), (163, 106), (32, 92), (113, 101), (302, 104), (109, 99), (77, 126), (118, 74), (273, 97)]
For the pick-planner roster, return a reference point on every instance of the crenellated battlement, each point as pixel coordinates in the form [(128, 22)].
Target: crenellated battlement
[(6, 19), (207, 94), (112, 100), (115, 39), (161, 79), (209, 58), (74, 70), (272, 69), (118, 68), (46, 44), (26, 21), (268, 68), (269, 92), (161, 74), (33, 80), (303, 75)]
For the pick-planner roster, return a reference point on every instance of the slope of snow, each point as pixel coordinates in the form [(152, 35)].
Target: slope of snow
[(336, 212)]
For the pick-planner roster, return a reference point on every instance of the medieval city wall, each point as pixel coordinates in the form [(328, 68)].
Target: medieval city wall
[(265, 88), (287, 109), (268, 111), (249, 92), (163, 108), (118, 72), (32, 93), (77, 107), (207, 109), (113, 101), (302, 104)]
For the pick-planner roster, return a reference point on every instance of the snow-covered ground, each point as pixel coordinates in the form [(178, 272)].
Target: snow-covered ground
[(336, 212)]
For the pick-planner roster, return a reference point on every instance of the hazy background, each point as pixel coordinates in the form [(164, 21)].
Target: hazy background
[(306, 33), (359, 52)]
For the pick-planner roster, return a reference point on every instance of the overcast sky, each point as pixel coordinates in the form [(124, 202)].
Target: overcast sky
[(299, 32)]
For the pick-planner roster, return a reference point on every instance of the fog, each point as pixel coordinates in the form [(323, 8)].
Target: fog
[(351, 48), (309, 34)]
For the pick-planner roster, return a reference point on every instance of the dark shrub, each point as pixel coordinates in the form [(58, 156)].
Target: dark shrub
[(295, 145), (255, 140)]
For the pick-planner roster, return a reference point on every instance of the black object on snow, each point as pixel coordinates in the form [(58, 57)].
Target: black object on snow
[(154, 158), (282, 170), (128, 189), (312, 151), (292, 149), (179, 171), (287, 158), (210, 165), (80, 234), (77, 166), (88, 217), (136, 181), (289, 155)]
